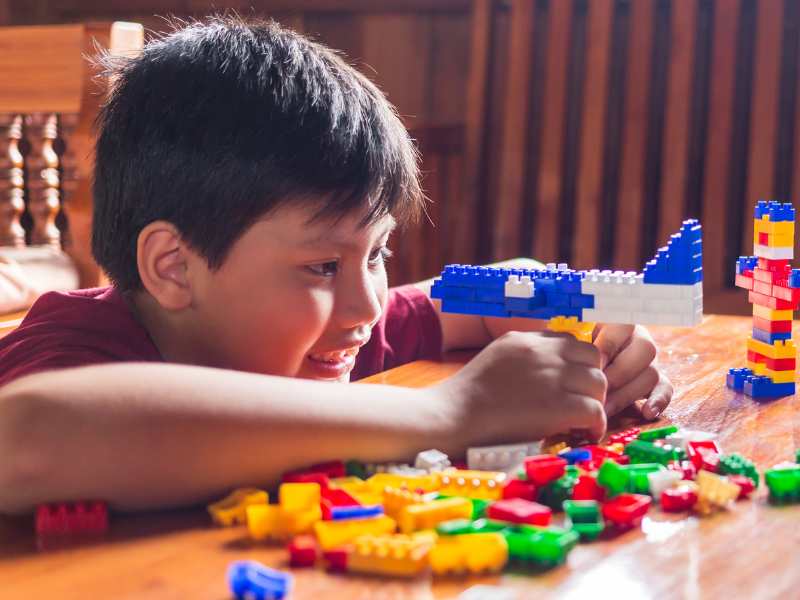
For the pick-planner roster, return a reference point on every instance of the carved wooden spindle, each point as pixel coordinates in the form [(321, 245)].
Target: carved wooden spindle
[(12, 181), (43, 179), (69, 176)]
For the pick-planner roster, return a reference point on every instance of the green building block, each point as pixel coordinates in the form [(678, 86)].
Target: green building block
[(641, 451), (638, 482), (612, 477), (464, 526), (736, 464), (783, 484), (657, 433), (479, 507), (455, 527), (543, 547), (555, 492), (584, 517), (354, 468)]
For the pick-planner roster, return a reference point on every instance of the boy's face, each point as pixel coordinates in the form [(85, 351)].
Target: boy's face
[(293, 298)]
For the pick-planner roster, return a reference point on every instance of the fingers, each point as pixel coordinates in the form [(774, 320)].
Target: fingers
[(582, 353), (631, 360), (611, 340), (659, 398), (584, 413), (591, 382), (641, 386)]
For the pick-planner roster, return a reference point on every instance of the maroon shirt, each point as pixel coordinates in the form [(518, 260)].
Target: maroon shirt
[(94, 326)]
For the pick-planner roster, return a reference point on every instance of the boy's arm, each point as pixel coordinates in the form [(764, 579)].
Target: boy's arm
[(143, 435)]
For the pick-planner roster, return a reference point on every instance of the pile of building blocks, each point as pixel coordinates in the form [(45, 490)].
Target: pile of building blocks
[(669, 291), (774, 291), (71, 518), (449, 521)]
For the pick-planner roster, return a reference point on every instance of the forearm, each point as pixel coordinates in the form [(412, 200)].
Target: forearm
[(144, 436)]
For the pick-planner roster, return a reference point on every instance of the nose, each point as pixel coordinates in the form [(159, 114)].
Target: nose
[(359, 300)]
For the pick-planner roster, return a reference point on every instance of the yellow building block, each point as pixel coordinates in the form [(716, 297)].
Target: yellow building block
[(398, 555), (231, 510), (265, 522), (472, 484), (335, 533), (469, 553), (427, 516), (582, 331), (780, 349), (772, 315), (757, 368), (780, 241), (714, 491), (772, 227), (554, 447), (776, 376), (360, 490), (340, 482), (395, 500), (298, 497), (426, 483)]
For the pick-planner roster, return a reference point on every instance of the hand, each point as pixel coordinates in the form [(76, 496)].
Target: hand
[(629, 362), (526, 386)]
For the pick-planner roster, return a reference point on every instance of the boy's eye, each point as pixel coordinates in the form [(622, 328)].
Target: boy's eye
[(379, 256), (326, 269)]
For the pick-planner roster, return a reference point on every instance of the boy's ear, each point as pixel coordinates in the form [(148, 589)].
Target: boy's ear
[(162, 259)]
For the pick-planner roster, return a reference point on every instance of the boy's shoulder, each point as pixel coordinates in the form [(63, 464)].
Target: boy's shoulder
[(66, 329)]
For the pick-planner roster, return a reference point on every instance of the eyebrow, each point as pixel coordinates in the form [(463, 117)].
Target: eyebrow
[(390, 226)]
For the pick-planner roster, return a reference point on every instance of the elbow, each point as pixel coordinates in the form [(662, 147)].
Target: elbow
[(22, 466)]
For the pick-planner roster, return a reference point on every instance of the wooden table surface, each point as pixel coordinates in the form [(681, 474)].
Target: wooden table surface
[(752, 551)]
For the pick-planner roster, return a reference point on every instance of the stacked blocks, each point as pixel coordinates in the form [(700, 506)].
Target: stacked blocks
[(668, 292), (774, 291)]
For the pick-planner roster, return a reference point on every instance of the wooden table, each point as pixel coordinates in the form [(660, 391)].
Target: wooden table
[(749, 552)]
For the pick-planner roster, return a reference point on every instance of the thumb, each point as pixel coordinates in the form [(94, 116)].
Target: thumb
[(610, 340)]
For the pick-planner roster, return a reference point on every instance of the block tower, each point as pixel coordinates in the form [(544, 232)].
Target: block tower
[(773, 290)]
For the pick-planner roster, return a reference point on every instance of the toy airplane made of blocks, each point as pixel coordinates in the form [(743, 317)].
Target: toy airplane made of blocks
[(668, 292)]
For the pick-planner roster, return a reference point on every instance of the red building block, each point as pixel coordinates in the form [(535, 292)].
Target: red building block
[(307, 477), (334, 497), (625, 437), (677, 499), (303, 551), (72, 518), (587, 488), (772, 326), (544, 468), (685, 467), (744, 281), (746, 485), (626, 510), (704, 455), (337, 559), (776, 364), (770, 301), (518, 510), (520, 488)]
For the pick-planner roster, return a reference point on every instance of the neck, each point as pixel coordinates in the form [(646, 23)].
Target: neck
[(167, 330)]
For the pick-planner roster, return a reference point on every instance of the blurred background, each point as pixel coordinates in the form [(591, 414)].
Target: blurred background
[(580, 131)]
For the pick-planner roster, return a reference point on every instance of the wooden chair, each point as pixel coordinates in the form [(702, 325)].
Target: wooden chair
[(595, 126), (49, 99)]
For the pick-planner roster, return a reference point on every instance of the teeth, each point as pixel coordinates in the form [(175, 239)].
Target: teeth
[(335, 356)]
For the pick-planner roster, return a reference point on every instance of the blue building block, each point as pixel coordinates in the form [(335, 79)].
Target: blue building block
[(794, 278), (770, 338), (355, 512), (442, 291), (763, 387), (485, 309), (557, 300), (581, 301), (575, 455), (680, 261), (490, 294), (746, 263), (736, 377), (777, 211), (249, 579)]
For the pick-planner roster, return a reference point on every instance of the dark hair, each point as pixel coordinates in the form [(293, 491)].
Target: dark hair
[(218, 123)]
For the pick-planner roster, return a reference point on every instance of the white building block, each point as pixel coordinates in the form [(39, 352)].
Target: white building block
[(519, 287), (682, 437), (500, 458), (779, 253), (662, 480), (432, 460)]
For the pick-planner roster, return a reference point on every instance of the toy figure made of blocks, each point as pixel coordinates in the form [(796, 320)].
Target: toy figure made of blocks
[(669, 291), (773, 290)]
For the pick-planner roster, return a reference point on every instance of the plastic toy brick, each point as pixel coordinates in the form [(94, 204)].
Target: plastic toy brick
[(554, 493), (335, 497), (613, 477), (335, 533), (307, 477), (396, 555), (303, 551), (679, 498), (355, 468), (783, 483), (474, 553), (587, 488), (685, 467), (770, 338), (465, 526), (498, 458), (658, 481), (273, 522), (763, 387), (520, 488), (395, 500), (704, 454), (736, 464), (479, 506), (657, 433), (541, 547), (772, 326), (72, 518), (746, 485), (625, 437), (426, 516), (432, 460), (626, 510), (426, 483), (544, 468), (584, 517), (299, 497), (517, 510), (714, 491), (575, 455), (554, 447), (640, 451), (355, 512), (231, 510), (639, 476), (473, 484), (736, 378), (250, 580)]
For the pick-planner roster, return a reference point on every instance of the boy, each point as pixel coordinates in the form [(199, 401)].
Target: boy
[(247, 182)]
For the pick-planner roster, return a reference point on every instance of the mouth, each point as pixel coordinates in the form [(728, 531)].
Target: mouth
[(334, 364), (334, 356)]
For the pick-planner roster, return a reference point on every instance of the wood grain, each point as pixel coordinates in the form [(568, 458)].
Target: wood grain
[(747, 553)]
